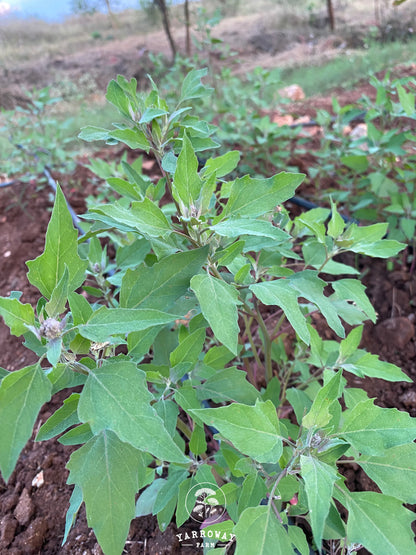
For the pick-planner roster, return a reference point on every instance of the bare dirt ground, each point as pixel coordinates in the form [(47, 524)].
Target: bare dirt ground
[(32, 518)]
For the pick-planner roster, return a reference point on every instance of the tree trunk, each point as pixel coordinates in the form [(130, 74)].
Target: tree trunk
[(113, 19), (187, 28), (331, 16), (161, 4)]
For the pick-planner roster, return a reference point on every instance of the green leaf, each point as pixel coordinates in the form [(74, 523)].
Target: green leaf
[(336, 223), (133, 138), (105, 469), (169, 490), (91, 133), (319, 414), (116, 397), (16, 315), (279, 293), (254, 197), (144, 217), (22, 394), (353, 290), (106, 322), (146, 500), (406, 99), (76, 436), (254, 430), (218, 357), (118, 98), (198, 443), (189, 349), (371, 429), (356, 162), (192, 86), (218, 301), (234, 227), (351, 343), (387, 528), (371, 366), (229, 384), (59, 296), (253, 491), (80, 308), (258, 531), (61, 419), (160, 285), (222, 165), (186, 181), (319, 481), (394, 471), (75, 502), (61, 250), (152, 113), (309, 285)]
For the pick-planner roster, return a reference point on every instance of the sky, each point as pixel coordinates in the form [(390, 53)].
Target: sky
[(50, 10)]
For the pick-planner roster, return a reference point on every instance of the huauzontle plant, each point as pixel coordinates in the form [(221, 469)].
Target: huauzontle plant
[(187, 392)]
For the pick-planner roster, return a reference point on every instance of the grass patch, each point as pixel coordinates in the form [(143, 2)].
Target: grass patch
[(349, 68)]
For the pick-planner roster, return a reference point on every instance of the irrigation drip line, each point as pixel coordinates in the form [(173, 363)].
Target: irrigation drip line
[(358, 118), (53, 185)]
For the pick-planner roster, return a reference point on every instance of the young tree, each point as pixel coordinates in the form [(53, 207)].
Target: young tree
[(331, 16)]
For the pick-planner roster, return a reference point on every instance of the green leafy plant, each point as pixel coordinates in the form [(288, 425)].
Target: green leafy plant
[(185, 379)]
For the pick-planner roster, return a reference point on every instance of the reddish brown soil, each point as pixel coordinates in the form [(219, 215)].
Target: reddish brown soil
[(32, 519)]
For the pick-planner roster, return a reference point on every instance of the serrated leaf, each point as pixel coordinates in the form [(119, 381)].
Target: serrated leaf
[(279, 293), (371, 429), (116, 397), (61, 250), (17, 316), (387, 528), (309, 285), (106, 322), (253, 430), (353, 290), (160, 285), (254, 197), (319, 481), (394, 471), (105, 469), (61, 419), (22, 394), (218, 301), (258, 531)]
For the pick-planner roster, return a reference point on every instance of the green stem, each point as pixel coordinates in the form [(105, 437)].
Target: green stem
[(248, 322), (267, 343)]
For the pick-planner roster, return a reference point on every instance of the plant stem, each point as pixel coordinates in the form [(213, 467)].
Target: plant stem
[(267, 344)]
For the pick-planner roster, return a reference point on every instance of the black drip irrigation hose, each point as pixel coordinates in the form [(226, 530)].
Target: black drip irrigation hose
[(299, 201), (52, 183)]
